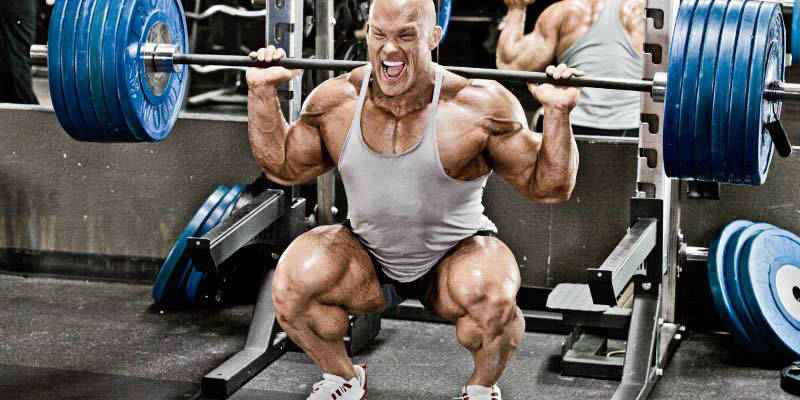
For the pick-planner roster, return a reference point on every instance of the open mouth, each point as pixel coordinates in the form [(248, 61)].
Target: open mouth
[(392, 70)]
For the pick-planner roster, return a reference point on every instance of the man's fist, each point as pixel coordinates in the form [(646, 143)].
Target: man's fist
[(518, 3), (271, 76), (563, 97)]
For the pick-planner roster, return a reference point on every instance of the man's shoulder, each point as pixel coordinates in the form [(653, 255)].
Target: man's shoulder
[(335, 92), (480, 96)]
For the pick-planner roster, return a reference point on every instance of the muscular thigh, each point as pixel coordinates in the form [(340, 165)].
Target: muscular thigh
[(480, 272), (329, 265)]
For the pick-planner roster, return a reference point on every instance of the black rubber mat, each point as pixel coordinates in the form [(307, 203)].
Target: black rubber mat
[(68, 339)]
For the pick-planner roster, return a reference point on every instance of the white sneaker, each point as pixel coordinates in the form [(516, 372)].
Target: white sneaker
[(333, 387), (478, 392)]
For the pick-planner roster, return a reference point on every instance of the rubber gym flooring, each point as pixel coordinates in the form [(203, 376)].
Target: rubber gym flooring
[(74, 339)]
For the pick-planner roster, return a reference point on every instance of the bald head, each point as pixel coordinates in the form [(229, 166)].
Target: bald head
[(401, 36), (421, 11)]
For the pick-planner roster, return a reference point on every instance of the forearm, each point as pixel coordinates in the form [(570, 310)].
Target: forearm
[(557, 162), (510, 38), (268, 131)]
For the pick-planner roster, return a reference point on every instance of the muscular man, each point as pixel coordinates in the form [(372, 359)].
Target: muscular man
[(599, 37), (414, 145)]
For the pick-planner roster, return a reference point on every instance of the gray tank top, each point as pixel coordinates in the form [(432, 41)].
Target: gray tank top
[(404, 208), (606, 51)]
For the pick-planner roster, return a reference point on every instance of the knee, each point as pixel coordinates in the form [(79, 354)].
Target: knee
[(490, 301), (497, 308), (307, 268)]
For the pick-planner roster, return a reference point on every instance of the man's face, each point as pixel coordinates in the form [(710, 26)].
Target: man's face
[(400, 40)]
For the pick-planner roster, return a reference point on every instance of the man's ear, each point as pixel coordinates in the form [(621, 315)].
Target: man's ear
[(436, 36)]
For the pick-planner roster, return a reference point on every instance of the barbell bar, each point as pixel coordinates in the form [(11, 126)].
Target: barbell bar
[(163, 58), (722, 99)]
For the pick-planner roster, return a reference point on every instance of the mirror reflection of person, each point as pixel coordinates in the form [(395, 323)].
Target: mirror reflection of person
[(17, 33), (603, 38)]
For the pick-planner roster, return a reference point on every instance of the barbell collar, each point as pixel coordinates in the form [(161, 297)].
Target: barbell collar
[(659, 90), (161, 57), (39, 54), (783, 91)]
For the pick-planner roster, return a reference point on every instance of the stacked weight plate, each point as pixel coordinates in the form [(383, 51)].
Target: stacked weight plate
[(722, 56), (172, 283), (796, 32), (754, 275), (99, 85)]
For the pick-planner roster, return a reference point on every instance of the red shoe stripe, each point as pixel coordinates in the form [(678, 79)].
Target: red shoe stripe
[(364, 367)]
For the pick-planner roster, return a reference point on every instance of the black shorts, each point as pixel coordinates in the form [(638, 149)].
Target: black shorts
[(395, 292)]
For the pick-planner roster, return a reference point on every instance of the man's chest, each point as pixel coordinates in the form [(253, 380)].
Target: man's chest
[(458, 139)]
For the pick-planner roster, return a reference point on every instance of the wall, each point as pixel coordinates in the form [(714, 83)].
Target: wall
[(132, 200)]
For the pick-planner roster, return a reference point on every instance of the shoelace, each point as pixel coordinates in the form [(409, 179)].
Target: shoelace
[(324, 388)]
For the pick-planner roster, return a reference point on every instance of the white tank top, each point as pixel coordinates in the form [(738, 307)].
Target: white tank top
[(403, 207), (605, 50)]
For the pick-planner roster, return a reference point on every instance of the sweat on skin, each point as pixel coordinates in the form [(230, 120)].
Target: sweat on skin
[(327, 273)]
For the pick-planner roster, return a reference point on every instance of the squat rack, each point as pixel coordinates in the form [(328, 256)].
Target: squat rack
[(646, 257)]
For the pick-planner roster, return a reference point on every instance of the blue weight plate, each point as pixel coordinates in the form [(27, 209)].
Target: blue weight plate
[(672, 99), (738, 98), (732, 282), (150, 113), (176, 254), (195, 277), (211, 220), (95, 67), (722, 91), (71, 96), (766, 66), (123, 132), (82, 81), (716, 280), (770, 269), (796, 31), (54, 68), (703, 150), (689, 94)]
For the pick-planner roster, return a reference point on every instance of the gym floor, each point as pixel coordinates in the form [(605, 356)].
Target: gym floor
[(80, 339)]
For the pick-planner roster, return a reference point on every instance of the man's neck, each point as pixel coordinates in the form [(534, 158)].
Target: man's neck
[(417, 97)]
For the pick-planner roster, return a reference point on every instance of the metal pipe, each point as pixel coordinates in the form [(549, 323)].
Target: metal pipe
[(480, 73), (326, 183), (39, 54), (782, 91), (699, 254), (776, 91), (228, 10)]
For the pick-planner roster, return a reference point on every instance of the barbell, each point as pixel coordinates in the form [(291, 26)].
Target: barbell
[(117, 74)]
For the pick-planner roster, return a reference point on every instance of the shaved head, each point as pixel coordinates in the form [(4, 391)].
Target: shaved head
[(423, 10), (401, 36)]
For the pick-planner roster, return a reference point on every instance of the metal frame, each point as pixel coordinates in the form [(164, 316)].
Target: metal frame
[(625, 261), (284, 30), (326, 183), (242, 226), (646, 256)]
